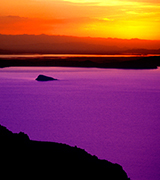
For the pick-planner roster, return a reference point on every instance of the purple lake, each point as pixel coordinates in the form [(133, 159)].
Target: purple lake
[(111, 113)]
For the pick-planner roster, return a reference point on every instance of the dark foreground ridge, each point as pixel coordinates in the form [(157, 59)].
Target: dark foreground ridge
[(150, 62), (44, 78), (23, 157)]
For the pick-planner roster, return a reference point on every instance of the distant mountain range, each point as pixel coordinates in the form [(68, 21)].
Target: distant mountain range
[(43, 44)]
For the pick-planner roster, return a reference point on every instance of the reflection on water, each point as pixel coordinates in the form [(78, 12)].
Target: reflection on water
[(111, 113)]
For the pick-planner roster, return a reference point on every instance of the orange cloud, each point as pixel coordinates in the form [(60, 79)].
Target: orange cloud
[(23, 25)]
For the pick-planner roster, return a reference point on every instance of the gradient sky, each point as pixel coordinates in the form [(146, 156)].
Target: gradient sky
[(117, 18)]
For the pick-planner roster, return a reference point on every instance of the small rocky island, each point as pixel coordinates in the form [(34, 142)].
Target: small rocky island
[(23, 157), (44, 78)]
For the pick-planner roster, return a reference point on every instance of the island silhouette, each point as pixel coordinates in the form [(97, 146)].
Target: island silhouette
[(23, 157), (42, 77)]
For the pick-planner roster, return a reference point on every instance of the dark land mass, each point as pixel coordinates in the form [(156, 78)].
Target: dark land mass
[(25, 158), (45, 78), (52, 44), (150, 62)]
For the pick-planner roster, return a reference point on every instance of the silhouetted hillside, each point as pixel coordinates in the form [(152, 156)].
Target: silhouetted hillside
[(75, 45), (23, 157)]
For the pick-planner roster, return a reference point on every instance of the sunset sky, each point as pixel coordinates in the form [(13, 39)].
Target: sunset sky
[(124, 19)]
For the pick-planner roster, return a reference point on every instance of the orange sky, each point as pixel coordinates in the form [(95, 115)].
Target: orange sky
[(117, 18)]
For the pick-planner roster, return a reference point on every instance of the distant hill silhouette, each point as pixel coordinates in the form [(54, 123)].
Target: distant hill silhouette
[(75, 45), (22, 157)]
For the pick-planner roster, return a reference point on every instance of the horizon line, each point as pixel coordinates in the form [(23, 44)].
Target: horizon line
[(92, 37)]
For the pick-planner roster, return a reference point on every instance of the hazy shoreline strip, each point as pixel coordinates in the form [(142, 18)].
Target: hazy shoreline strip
[(150, 62)]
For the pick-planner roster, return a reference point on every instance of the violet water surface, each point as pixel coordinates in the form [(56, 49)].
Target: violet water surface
[(111, 113)]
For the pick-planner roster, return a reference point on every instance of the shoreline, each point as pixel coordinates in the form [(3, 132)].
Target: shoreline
[(140, 62)]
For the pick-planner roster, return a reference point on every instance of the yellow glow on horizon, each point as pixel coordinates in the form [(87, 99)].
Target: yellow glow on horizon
[(103, 2), (103, 18)]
